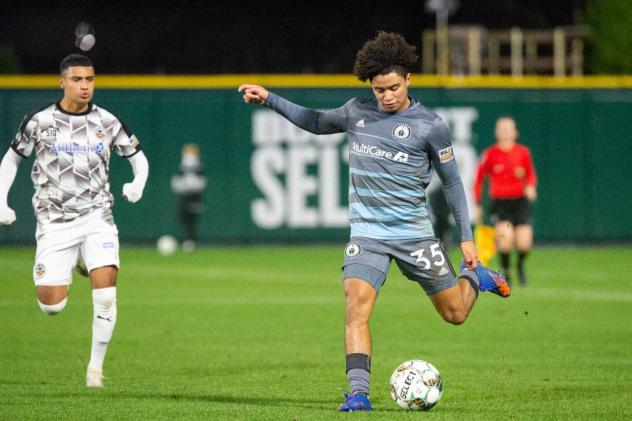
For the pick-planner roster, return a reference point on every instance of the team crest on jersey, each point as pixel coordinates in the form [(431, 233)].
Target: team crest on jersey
[(40, 270), (401, 132), (99, 132), (446, 155), (352, 250)]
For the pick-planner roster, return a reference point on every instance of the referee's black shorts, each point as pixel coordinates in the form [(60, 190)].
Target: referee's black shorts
[(516, 211)]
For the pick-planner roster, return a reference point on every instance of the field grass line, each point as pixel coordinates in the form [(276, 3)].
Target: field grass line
[(195, 272), (287, 300), (581, 295)]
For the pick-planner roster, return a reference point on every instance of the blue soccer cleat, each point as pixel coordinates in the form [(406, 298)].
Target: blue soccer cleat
[(488, 280), (355, 402)]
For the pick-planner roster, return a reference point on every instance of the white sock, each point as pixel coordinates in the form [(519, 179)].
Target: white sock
[(103, 321)]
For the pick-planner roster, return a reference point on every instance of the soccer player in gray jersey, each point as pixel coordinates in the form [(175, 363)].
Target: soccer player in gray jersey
[(394, 142), (72, 140)]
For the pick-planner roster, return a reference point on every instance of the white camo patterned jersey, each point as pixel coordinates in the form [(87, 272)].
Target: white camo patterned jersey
[(72, 155)]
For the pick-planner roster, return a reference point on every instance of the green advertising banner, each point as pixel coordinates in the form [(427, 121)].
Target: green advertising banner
[(269, 181)]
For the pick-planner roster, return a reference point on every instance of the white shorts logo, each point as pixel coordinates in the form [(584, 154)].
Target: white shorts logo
[(352, 250), (401, 131), (40, 270)]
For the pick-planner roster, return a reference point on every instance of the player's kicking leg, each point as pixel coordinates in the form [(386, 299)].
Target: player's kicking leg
[(52, 273), (52, 299)]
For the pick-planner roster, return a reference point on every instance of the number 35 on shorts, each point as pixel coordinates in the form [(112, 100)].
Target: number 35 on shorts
[(427, 257)]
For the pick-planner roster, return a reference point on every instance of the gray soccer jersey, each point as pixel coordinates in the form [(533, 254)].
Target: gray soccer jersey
[(390, 161), (72, 155)]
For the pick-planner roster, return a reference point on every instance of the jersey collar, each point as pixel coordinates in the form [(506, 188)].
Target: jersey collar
[(86, 112), (413, 104)]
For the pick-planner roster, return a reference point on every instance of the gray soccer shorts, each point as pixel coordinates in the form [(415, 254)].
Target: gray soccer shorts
[(421, 260)]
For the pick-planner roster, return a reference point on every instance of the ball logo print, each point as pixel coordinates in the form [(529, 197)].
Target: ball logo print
[(401, 132), (416, 385), (352, 250)]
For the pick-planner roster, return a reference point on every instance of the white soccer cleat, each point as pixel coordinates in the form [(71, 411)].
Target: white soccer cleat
[(94, 377)]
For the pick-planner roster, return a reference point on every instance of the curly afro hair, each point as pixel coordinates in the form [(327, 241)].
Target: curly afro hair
[(387, 52)]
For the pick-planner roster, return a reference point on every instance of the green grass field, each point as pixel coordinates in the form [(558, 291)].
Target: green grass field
[(257, 333)]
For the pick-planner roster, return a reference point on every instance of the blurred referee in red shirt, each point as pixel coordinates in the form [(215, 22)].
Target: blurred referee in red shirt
[(512, 188)]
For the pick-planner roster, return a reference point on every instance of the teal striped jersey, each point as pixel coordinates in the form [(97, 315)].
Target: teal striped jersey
[(391, 156)]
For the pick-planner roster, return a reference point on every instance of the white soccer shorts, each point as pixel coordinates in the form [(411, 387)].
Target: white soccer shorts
[(92, 239)]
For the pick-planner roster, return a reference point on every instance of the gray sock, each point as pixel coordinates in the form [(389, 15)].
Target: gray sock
[(472, 278), (359, 380), (359, 373)]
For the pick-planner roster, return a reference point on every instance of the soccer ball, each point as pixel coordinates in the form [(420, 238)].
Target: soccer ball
[(167, 245), (416, 385)]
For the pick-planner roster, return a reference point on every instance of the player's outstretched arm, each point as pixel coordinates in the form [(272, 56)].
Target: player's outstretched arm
[(8, 170), (314, 121), (254, 93), (132, 192)]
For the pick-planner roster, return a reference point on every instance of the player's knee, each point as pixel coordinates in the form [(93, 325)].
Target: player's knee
[(52, 309), (104, 298), (455, 317)]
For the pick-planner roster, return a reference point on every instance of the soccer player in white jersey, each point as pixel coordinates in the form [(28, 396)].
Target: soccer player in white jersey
[(72, 140), (394, 143)]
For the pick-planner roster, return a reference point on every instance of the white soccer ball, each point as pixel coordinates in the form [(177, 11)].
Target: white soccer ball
[(167, 245), (87, 42), (416, 385)]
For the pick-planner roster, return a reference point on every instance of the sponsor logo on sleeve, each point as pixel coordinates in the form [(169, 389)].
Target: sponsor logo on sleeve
[(446, 155), (134, 142)]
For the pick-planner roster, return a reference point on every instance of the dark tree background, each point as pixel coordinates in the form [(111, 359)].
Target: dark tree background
[(610, 41), (237, 36)]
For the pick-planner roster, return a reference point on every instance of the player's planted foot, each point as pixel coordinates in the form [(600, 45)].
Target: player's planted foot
[(94, 377), (489, 280), (355, 402)]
